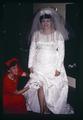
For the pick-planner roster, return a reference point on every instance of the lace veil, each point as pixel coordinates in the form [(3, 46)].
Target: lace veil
[(59, 22)]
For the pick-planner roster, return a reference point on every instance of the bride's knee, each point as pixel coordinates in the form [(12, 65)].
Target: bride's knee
[(41, 88)]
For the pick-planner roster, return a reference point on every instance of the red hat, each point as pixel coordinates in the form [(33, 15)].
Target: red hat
[(9, 62)]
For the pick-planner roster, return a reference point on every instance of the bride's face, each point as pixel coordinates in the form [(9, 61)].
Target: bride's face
[(46, 23)]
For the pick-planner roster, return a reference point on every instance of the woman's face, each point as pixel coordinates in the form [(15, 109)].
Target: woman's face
[(14, 70), (46, 23)]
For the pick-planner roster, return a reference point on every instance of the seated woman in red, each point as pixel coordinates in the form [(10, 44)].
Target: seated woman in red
[(13, 100)]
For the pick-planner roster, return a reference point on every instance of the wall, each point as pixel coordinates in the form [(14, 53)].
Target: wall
[(60, 7)]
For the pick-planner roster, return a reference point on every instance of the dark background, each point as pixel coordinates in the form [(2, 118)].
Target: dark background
[(15, 24), (15, 27)]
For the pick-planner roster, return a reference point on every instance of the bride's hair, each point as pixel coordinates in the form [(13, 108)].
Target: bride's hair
[(48, 16), (58, 22)]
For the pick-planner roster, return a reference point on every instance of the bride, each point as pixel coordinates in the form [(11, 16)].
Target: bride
[(48, 80)]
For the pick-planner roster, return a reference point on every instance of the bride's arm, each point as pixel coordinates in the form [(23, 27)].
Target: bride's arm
[(32, 53), (60, 54)]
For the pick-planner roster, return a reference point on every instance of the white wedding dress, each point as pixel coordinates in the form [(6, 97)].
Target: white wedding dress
[(46, 56)]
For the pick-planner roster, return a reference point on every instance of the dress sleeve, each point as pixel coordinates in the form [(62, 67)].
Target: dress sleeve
[(32, 51), (60, 52)]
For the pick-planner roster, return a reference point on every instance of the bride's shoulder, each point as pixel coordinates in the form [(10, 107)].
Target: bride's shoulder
[(57, 32), (36, 32)]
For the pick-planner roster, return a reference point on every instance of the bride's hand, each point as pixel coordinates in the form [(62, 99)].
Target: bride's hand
[(31, 70), (57, 73)]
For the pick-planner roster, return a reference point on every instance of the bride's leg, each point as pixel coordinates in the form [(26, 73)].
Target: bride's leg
[(45, 107), (41, 99)]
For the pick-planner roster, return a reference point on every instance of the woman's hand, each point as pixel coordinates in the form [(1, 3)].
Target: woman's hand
[(57, 73), (24, 74)]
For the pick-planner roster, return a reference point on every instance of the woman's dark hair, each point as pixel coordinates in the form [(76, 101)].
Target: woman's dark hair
[(12, 64), (48, 16)]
